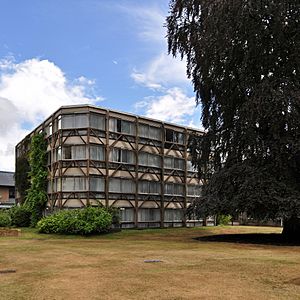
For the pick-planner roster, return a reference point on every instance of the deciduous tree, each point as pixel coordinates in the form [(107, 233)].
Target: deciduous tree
[(243, 59)]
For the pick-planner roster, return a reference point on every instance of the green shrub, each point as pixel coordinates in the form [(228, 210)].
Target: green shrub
[(84, 221), (115, 214), (20, 216), (223, 219), (5, 220)]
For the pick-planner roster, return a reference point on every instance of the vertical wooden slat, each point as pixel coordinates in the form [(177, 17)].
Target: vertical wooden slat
[(162, 196), (136, 203), (106, 158)]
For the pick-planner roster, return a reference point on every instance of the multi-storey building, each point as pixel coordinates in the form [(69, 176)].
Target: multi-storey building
[(104, 157)]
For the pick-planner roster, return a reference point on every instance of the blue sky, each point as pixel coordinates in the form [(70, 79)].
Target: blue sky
[(105, 52)]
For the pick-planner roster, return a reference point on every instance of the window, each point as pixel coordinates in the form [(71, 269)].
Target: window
[(75, 121), (169, 189), (73, 184), (121, 185), (143, 187), (168, 162), (58, 153), (97, 184), (127, 214), (174, 189), (144, 130), (148, 214), (121, 126), (149, 187), (11, 193), (174, 136), (67, 152), (49, 187), (178, 163), (148, 131), (79, 152), (57, 184), (67, 121), (128, 186), (194, 190), (59, 122), (148, 159), (97, 152), (115, 185), (49, 129), (174, 163), (98, 121), (173, 215), (178, 189), (121, 155), (74, 152), (154, 133)]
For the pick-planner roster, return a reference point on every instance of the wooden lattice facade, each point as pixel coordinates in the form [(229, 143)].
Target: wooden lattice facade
[(103, 157)]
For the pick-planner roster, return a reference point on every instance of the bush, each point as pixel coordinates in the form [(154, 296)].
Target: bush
[(5, 220), (84, 221), (115, 214), (223, 219), (20, 216)]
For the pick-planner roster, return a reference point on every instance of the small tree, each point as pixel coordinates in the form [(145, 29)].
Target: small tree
[(36, 198)]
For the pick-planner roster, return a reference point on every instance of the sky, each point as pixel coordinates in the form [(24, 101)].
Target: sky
[(109, 53)]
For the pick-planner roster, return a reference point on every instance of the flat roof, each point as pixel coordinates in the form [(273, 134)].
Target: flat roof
[(113, 111), (128, 114)]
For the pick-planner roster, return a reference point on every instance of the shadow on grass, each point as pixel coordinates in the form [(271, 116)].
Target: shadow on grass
[(250, 238)]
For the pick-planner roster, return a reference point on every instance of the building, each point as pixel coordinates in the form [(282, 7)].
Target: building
[(7, 189), (104, 157)]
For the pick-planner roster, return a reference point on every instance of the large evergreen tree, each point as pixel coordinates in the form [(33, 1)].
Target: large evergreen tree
[(243, 59)]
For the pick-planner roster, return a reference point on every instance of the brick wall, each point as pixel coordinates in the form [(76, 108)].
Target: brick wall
[(4, 194)]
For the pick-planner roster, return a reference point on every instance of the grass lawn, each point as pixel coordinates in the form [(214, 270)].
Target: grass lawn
[(112, 266)]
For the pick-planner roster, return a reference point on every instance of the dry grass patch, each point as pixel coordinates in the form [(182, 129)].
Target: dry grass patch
[(112, 266)]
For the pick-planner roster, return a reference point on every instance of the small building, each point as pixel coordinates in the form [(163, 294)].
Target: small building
[(7, 189), (103, 157)]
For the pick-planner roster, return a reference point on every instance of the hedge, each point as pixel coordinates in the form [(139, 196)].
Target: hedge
[(85, 221)]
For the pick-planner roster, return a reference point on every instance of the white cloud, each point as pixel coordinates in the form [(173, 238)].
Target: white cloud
[(174, 106), (149, 20), (29, 92), (162, 71)]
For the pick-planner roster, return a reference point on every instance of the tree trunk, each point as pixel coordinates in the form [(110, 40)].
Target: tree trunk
[(204, 223), (291, 229)]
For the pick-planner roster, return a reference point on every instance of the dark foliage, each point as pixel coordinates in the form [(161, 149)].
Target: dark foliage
[(20, 216), (5, 220), (36, 198), (243, 59), (115, 213), (90, 220)]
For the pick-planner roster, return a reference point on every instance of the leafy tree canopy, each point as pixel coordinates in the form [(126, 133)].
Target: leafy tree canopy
[(243, 59)]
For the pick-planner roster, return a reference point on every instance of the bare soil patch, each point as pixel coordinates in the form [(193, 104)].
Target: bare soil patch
[(10, 232)]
